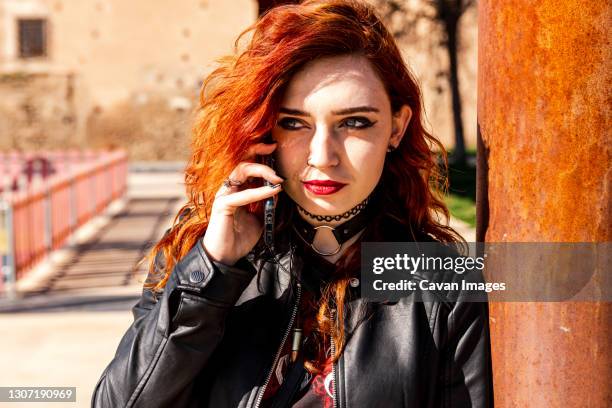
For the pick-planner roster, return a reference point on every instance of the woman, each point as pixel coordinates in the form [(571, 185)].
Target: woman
[(228, 319)]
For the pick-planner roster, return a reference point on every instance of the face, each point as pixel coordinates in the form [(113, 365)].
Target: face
[(333, 130)]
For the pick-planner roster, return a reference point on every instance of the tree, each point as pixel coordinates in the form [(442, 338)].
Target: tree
[(403, 19)]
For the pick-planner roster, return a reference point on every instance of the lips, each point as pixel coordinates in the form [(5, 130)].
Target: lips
[(323, 187)]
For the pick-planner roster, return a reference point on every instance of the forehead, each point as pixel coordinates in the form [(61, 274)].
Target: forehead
[(335, 82)]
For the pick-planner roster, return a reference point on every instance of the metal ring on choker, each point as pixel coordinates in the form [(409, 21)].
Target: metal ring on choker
[(312, 245)]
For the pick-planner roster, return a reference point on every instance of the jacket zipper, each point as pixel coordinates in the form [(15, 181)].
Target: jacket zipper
[(280, 348), (333, 352)]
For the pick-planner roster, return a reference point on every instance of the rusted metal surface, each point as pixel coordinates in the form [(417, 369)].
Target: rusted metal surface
[(544, 154)]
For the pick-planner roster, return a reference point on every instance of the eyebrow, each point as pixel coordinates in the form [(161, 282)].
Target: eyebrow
[(347, 111)]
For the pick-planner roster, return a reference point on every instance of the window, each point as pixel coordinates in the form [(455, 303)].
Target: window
[(32, 37)]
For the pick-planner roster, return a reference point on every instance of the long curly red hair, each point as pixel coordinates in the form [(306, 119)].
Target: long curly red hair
[(239, 103)]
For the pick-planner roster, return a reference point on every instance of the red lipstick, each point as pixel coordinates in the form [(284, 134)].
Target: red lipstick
[(323, 187)]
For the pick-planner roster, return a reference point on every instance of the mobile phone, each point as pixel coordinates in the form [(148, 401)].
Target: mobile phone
[(269, 204)]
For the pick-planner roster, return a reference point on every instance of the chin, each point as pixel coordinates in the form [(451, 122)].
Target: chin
[(324, 205)]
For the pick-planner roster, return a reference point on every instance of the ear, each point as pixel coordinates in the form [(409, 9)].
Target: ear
[(401, 119)]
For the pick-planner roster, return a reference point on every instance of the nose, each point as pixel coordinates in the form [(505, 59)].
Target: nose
[(323, 148)]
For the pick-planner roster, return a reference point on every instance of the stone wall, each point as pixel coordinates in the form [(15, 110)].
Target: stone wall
[(41, 111)]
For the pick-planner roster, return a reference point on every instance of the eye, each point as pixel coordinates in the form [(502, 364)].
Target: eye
[(357, 122), (291, 124)]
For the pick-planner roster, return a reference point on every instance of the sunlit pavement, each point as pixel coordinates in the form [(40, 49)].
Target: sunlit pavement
[(464, 229), (65, 328)]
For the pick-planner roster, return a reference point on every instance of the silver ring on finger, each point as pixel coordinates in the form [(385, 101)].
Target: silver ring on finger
[(228, 183)]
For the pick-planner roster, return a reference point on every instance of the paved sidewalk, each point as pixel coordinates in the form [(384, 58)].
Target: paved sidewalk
[(464, 229), (64, 329)]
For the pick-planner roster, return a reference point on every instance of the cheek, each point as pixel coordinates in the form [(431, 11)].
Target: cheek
[(290, 157), (367, 157)]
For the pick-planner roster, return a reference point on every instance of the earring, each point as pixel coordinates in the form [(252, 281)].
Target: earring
[(391, 148)]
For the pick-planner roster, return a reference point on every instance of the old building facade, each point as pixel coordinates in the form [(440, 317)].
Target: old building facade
[(102, 73)]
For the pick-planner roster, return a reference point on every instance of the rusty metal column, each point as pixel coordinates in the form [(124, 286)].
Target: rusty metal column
[(544, 80)]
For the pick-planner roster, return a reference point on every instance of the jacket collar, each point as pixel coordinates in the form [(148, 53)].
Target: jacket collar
[(274, 280)]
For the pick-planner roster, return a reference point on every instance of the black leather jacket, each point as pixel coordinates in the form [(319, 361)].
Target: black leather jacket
[(211, 338)]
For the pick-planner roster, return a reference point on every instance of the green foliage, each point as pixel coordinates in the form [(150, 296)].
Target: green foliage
[(461, 200), (462, 208)]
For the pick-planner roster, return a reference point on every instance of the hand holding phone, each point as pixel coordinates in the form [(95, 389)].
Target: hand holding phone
[(233, 230)]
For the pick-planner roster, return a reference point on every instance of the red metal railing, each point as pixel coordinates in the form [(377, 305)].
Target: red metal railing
[(19, 169), (41, 218)]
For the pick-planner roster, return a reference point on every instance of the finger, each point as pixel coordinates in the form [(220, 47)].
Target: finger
[(251, 195), (259, 149), (245, 170), (227, 188), (243, 173)]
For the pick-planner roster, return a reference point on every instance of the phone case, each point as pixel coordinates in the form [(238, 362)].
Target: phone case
[(269, 209)]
